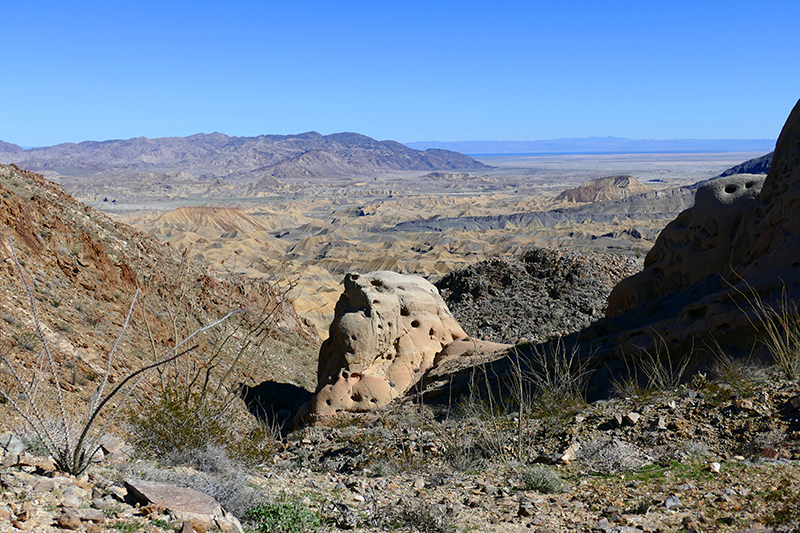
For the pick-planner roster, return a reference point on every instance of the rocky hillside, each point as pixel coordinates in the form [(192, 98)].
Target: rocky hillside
[(607, 188), (541, 295), (759, 165), (83, 270)]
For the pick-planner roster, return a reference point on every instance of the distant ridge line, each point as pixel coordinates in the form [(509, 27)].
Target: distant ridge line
[(598, 145)]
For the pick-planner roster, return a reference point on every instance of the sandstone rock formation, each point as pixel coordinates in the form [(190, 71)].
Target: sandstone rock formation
[(387, 331), (741, 239), (696, 244)]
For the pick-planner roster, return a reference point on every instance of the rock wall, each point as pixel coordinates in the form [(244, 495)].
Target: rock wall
[(697, 244)]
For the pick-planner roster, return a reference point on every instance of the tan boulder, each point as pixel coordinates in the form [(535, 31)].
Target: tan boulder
[(386, 333)]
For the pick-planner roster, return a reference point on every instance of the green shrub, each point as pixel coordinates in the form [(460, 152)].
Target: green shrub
[(284, 517), (543, 480)]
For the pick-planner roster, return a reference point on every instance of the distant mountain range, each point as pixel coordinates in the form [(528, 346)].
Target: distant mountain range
[(599, 145), (307, 155)]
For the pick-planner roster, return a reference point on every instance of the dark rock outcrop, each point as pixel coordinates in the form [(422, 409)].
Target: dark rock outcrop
[(758, 165), (539, 296)]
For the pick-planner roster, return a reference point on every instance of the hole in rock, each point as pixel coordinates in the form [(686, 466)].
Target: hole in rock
[(432, 332), (749, 184), (356, 397), (376, 282), (730, 189), (327, 402), (354, 276), (415, 323), (376, 302), (699, 312), (404, 311)]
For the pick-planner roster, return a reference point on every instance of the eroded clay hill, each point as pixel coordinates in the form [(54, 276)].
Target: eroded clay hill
[(607, 188)]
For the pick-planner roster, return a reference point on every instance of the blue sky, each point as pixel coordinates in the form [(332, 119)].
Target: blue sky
[(406, 70)]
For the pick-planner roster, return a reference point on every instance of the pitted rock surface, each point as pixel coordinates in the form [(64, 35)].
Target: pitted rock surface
[(697, 243), (386, 332), (738, 245)]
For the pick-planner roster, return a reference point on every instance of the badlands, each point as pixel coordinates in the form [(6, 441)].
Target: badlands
[(425, 223), (405, 435)]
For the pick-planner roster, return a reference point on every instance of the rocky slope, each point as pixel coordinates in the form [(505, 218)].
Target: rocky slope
[(83, 270), (607, 188), (758, 165), (715, 456), (541, 295)]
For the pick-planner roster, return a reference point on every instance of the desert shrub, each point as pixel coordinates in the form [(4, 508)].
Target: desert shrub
[(695, 449), (284, 517), (72, 439), (660, 369), (419, 515), (557, 377), (611, 456), (216, 474), (739, 374), (497, 413), (179, 426), (543, 480), (27, 341)]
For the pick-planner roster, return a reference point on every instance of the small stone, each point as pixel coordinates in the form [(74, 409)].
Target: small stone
[(795, 403), (743, 405), (69, 519), (672, 502), (662, 423), (419, 484), (714, 467), (603, 524), (769, 453), (92, 515), (616, 421), (632, 418), (569, 454), (526, 508), (358, 498), (24, 515)]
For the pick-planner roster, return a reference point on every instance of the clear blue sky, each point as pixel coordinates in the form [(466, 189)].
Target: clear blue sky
[(404, 70)]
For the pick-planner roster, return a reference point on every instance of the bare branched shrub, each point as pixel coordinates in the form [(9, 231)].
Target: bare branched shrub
[(215, 474), (558, 378), (498, 411), (73, 440)]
